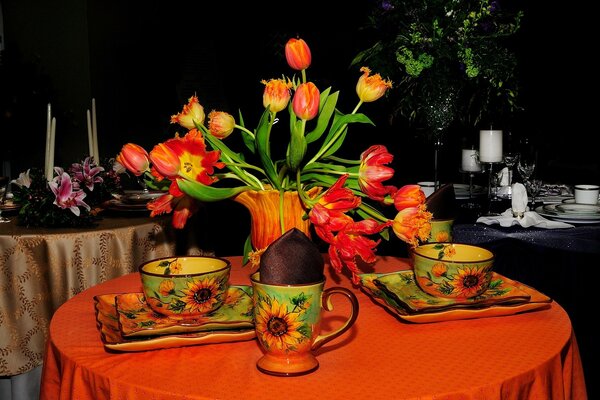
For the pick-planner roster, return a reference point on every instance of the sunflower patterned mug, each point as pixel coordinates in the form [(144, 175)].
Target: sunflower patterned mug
[(441, 230), (287, 320)]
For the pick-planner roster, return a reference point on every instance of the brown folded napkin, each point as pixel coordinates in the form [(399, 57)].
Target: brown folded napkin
[(442, 202), (291, 259)]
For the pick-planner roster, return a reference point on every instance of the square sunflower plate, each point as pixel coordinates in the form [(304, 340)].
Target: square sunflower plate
[(137, 329), (399, 293)]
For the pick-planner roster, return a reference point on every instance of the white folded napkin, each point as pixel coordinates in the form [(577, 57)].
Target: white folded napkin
[(530, 218), (519, 199)]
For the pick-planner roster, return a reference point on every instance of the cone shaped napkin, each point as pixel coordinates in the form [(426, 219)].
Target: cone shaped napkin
[(291, 259), (442, 202)]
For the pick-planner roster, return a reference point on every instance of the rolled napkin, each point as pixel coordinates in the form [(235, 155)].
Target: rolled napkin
[(291, 259), (519, 200), (530, 218)]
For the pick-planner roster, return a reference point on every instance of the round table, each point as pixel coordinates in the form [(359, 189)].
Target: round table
[(40, 268), (529, 355)]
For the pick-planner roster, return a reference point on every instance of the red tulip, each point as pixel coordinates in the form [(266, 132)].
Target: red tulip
[(306, 101), (372, 172), (297, 54), (134, 158), (165, 161)]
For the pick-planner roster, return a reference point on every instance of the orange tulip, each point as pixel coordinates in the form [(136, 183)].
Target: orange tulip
[(277, 94), (165, 161), (134, 158), (220, 124), (297, 54), (192, 112), (306, 101), (371, 88), (412, 224), (409, 196)]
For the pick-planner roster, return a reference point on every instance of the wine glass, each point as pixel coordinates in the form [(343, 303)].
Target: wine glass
[(525, 168), (533, 187), (510, 160), (4, 189)]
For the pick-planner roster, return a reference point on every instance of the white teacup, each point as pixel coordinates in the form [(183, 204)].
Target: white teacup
[(587, 194)]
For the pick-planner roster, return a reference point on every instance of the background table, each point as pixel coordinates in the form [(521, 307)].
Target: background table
[(530, 355), (41, 268), (561, 263)]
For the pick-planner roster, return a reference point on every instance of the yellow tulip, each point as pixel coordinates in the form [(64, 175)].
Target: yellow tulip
[(371, 88)]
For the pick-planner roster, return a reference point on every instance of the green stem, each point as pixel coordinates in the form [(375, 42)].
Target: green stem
[(241, 128), (332, 172), (376, 215), (343, 160), (281, 204), (308, 202)]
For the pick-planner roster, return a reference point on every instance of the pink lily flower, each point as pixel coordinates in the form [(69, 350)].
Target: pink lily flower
[(62, 187), (86, 174)]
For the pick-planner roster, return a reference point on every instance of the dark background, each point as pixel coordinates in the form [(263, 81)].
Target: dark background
[(141, 60)]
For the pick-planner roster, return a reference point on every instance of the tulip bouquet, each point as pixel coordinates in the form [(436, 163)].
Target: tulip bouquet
[(338, 196)]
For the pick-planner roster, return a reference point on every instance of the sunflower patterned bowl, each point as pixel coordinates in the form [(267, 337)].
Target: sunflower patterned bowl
[(452, 270), (185, 287)]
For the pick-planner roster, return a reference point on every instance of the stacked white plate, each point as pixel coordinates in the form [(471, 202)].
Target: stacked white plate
[(571, 212), (461, 191)]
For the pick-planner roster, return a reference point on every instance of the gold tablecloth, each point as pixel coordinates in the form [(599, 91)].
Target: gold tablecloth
[(41, 268)]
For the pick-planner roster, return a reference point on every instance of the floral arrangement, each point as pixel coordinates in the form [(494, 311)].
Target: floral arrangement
[(336, 196), (70, 199), (451, 59)]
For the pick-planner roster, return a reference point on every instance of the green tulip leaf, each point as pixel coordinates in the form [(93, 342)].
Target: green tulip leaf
[(326, 110), (209, 194), (264, 152)]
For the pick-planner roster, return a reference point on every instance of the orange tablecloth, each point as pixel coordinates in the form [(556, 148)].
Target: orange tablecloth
[(531, 355)]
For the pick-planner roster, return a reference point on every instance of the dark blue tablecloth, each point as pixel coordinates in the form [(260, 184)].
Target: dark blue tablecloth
[(562, 263)]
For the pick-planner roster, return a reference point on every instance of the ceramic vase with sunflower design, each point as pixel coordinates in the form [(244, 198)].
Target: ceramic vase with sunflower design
[(287, 321), (441, 230)]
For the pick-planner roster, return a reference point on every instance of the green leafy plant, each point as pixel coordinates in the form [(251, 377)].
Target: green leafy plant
[(449, 60)]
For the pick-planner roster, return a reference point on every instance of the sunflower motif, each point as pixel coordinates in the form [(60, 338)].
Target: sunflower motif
[(201, 296), (449, 251), (166, 287), (176, 267), (469, 282), (439, 269), (277, 327), (233, 297), (442, 236)]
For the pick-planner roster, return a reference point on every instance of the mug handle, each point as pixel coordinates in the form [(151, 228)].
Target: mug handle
[(328, 306)]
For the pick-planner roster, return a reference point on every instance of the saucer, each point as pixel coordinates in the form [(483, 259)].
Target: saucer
[(431, 308), (107, 320), (136, 318), (139, 196), (118, 205), (576, 208)]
